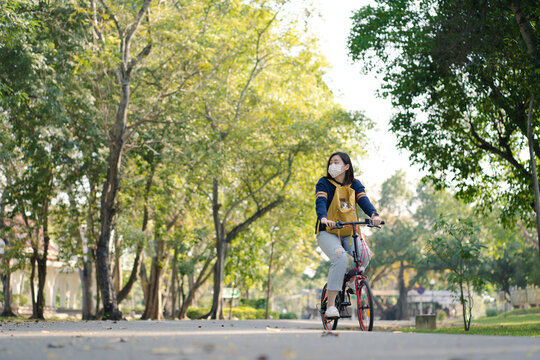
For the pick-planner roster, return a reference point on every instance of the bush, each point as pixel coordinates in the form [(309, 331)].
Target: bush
[(288, 316), (239, 312), (20, 299), (248, 312), (254, 303), (196, 313), (491, 312), (441, 315)]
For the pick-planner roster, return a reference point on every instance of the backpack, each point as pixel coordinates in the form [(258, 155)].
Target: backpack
[(342, 207)]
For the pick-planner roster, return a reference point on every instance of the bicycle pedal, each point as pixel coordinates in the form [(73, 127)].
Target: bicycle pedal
[(344, 313)]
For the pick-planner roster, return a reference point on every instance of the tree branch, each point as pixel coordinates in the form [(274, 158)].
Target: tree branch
[(137, 22), (113, 17), (241, 227), (506, 155), (250, 194), (255, 71)]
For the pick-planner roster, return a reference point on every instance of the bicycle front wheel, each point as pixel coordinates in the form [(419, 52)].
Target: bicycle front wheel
[(328, 323), (364, 301)]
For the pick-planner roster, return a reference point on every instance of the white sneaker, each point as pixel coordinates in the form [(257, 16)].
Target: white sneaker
[(332, 312)]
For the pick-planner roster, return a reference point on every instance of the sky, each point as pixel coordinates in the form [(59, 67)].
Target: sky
[(356, 90)]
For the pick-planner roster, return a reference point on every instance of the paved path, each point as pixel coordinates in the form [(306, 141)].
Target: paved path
[(247, 339)]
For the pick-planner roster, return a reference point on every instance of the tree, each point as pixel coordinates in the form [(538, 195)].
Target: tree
[(259, 114), (472, 68), (32, 104), (398, 244), (123, 68), (457, 248)]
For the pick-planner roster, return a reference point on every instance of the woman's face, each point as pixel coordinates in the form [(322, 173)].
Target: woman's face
[(336, 159)]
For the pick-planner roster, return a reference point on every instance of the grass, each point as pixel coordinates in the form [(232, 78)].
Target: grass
[(520, 322)]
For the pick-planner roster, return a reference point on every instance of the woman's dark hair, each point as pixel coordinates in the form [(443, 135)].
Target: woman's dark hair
[(349, 175)]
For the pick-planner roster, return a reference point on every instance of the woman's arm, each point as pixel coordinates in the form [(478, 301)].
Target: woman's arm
[(321, 201), (362, 199)]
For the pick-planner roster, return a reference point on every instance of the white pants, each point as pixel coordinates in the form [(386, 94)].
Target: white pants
[(335, 248)]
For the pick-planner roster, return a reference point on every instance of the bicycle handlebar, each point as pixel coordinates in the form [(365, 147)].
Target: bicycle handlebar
[(368, 222)]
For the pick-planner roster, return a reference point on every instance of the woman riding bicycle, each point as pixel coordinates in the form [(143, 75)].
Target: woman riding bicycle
[(339, 170)]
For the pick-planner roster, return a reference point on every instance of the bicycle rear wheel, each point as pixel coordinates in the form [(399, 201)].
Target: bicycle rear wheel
[(328, 323), (364, 301)]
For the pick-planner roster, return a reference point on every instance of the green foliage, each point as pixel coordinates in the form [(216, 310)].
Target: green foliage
[(491, 312), (228, 92), (239, 312), (19, 299), (457, 249), (254, 303), (518, 265), (441, 315), (466, 67), (288, 316)]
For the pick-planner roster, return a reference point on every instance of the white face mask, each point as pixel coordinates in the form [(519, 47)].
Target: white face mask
[(335, 170)]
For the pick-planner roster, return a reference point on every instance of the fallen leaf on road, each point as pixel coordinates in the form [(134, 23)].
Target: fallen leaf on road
[(329, 333), (289, 354), (122, 340), (397, 332), (272, 329)]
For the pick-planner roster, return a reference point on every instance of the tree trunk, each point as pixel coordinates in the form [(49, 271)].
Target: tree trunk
[(117, 268), (269, 279), (108, 205), (98, 291), (174, 281), (217, 300), (32, 284), (86, 284), (42, 263), (463, 306), (6, 282), (402, 303), (144, 281), (6, 274), (534, 173), (193, 287), (153, 305), (152, 308), (42, 274)]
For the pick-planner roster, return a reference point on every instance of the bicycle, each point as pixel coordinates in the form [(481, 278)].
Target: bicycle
[(364, 297)]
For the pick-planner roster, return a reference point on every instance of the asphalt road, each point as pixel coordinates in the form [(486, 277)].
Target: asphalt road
[(247, 339)]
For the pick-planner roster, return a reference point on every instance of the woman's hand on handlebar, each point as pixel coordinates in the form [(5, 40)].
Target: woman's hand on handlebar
[(328, 223), (376, 220)]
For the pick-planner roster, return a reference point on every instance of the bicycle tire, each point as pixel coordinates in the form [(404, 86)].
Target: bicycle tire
[(364, 305), (328, 324)]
